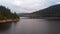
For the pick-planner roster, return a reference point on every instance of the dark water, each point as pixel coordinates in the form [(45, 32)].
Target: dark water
[(31, 26)]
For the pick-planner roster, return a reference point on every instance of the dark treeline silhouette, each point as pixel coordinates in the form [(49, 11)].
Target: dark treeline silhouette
[(6, 13), (52, 11)]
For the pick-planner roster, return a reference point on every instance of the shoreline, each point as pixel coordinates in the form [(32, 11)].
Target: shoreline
[(44, 17), (9, 20)]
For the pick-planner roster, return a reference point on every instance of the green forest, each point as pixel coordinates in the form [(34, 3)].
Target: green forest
[(5, 13)]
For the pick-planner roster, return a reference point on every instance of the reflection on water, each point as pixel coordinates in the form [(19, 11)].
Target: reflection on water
[(54, 26), (38, 26), (31, 26), (4, 26)]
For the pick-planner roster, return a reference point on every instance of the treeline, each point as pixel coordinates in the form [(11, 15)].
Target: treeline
[(6, 13)]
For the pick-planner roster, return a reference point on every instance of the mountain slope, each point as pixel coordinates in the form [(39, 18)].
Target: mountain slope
[(52, 11)]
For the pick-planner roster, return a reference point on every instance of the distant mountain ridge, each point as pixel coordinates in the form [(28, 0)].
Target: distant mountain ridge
[(23, 14), (52, 11)]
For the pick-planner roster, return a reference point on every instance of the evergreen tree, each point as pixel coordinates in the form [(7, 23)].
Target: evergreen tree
[(5, 13)]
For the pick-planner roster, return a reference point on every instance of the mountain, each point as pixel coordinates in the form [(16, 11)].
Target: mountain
[(52, 11), (23, 14)]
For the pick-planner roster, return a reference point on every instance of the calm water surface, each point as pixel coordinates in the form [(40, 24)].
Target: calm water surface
[(31, 26)]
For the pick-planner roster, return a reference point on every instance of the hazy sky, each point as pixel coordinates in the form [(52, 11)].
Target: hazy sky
[(23, 6)]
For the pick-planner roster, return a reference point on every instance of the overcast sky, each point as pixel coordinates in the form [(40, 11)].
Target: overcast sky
[(27, 6)]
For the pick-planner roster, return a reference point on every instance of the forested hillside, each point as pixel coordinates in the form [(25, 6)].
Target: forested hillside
[(6, 13)]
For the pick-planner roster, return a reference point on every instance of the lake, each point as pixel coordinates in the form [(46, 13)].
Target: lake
[(31, 26)]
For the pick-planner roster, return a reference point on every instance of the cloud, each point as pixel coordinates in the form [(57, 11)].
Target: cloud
[(58, 3), (27, 5)]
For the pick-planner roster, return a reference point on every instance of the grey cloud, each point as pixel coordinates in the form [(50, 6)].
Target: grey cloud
[(28, 5)]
